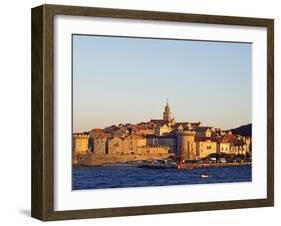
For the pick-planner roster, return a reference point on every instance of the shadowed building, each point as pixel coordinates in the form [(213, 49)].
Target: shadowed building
[(205, 148), (187, 145)]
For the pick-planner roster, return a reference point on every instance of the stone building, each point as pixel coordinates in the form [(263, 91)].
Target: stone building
[(169, 141), (234, 145), (80, 146), (162, 130), (100, 144), (186, 145), (133, 142), (127, 145), (248, 145), (205, 148), (98, 141), (203, 133), (223, 147), (115, 146)]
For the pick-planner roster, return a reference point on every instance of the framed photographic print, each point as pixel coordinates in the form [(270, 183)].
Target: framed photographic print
[(142, 112)]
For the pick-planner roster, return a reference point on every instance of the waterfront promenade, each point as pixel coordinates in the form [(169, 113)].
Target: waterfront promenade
[(206, 165)]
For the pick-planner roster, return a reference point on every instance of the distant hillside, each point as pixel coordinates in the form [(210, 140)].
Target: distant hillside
[(245, 130)]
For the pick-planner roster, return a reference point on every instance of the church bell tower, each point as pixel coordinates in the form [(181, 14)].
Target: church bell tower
[(167, 114)]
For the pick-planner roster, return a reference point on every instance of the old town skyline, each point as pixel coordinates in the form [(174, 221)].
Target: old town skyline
[(159, 138)]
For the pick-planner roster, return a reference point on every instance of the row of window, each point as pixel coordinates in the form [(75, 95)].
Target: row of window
[(226, 149)]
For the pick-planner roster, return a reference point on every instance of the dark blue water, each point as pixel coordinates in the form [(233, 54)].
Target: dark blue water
[(131, 176)]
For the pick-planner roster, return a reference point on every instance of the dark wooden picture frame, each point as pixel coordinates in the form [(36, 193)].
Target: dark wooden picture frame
[(42, 203)]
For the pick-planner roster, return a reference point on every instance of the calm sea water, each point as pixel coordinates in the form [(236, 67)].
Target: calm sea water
[(131, 176)]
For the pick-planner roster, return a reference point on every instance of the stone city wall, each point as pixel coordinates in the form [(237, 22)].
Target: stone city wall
[(96, 159)]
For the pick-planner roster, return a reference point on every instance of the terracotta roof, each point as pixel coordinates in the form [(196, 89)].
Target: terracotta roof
[(97, 130), (136, 127), (228, 138), (102, 135), (201, 139)]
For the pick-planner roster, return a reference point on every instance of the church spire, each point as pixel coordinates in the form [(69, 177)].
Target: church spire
[(167, 107), (167, 114)]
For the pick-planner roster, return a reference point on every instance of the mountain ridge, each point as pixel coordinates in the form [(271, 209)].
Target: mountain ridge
[(244, 130)]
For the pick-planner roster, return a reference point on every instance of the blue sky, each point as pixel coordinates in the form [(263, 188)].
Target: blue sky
[(118, 80)]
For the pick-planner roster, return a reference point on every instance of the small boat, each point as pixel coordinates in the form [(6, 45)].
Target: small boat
[(204, 175)]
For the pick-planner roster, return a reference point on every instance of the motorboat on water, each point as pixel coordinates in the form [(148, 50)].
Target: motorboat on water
[(204, 175)]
